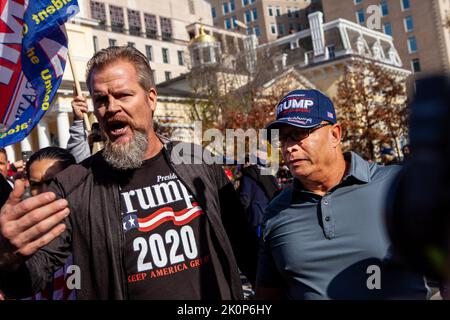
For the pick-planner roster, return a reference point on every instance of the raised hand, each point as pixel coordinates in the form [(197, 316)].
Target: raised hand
[(79, 107), (28, 225)]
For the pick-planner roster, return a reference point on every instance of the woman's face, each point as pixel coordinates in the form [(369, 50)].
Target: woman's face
[(40, 172)]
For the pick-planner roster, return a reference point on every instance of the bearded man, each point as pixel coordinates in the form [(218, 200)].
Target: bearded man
[(144, 223)]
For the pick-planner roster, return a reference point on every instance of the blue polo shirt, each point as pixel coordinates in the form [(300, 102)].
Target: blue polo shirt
[(335, 246)]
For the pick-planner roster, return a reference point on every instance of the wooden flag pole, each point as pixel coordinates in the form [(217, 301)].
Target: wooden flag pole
[(87, 123)]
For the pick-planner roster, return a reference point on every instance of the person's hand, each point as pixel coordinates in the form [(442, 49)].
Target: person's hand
[(79, 107), (28, 225), (18, 167)]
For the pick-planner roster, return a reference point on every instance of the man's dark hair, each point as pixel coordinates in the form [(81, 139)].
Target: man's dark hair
[(64, 157), (108, 56)]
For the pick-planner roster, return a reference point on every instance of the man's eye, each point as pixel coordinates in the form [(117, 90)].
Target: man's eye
[(100, 100), (118, 95), (123, 95)]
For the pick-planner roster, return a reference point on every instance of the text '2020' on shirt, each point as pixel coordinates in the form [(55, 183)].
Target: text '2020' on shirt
[(167, 255)]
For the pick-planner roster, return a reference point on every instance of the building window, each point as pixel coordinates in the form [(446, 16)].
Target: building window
[(131, 44), (384, 9), (256, 31), (227, 24), (180, 58), (247, 16), (289, 13), (360, 16), (281, 29), (149, 52), (332, 51), (245, 2), (255, 14), (409, 24), (166, 28), (234, 19), (357, 1), (98, 12), (291, 28), (213, 12), (273, 29), (112, 42), (297, 12), (226, 9), (278, 11), (405, 4), (134, 22), (270, 11), (387, 28), (415, 65), (165, 55), (191, 6), (168, 75), (412, 44), (117, 18), (232, 5), (95, 42), (151, 26)]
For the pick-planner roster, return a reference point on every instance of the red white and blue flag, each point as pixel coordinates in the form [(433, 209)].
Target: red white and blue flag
[(33, 53), (147, 224)]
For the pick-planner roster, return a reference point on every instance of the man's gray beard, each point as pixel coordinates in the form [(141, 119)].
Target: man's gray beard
[(126, 156)]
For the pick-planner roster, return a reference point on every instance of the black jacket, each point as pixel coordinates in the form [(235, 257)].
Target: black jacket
[(94, 228), (5, 190)]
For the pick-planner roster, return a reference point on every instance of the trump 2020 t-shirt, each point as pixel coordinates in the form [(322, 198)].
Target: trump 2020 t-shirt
[(166, 244)]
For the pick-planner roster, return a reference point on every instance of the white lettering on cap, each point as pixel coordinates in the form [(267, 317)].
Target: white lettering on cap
[(294, 104)]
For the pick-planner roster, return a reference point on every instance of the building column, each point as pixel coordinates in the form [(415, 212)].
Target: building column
[(317, 33), (108, 18), (25, 144), (126, 23), (11, 154), (345, 39), (143, 29), (83, 9), (62, 121), (43, 136), (224, 43)]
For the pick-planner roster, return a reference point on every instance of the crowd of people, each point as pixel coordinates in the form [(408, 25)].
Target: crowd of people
[(142, 221)]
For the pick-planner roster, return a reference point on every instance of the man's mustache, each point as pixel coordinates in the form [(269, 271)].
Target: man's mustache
[(112, 122)]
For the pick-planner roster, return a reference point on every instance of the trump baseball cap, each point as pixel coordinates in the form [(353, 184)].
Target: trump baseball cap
[(304, 109)]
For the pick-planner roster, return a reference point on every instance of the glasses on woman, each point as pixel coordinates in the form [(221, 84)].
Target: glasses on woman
[(299, 134)]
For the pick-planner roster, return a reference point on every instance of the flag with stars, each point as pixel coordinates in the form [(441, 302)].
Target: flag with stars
[(130, 222), (33, 52)]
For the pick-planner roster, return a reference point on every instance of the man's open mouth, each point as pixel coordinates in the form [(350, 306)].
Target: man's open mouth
[(117, 127)]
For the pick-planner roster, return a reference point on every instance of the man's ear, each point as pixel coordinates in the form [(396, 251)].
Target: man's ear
[(152, 97), (336, 134)]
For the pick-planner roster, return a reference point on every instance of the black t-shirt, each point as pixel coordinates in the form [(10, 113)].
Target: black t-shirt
[(167, 254)]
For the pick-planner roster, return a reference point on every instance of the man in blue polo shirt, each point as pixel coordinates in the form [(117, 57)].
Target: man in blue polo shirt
[(325, 237)]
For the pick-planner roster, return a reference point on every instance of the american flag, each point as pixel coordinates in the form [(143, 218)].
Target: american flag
[(162, 215), (57, 290)]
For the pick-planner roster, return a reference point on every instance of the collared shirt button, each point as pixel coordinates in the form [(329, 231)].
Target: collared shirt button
[(325, 202), (327, 219)]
